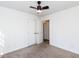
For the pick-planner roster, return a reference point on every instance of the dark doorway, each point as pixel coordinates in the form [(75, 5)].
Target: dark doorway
[(46, 31)]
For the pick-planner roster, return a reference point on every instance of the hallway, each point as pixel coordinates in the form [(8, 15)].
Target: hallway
[(42, 50)]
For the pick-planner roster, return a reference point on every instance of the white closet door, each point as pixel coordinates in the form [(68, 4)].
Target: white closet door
[(31, 31), (39, 31)]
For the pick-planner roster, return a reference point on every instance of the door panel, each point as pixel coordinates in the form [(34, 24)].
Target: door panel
[(39, 31), (31, 30)]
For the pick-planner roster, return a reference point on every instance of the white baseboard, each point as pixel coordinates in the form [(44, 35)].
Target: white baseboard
[(65, 49)]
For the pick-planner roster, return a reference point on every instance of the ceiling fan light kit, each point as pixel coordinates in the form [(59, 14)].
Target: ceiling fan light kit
[(39, 11), (39, 8)]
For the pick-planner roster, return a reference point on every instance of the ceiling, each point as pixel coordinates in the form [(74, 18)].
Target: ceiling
[(54, 6)]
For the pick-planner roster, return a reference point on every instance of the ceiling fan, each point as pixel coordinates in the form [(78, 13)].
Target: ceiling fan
[(39, 8)]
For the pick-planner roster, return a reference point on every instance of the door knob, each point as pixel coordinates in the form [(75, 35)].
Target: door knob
[(36, 33)]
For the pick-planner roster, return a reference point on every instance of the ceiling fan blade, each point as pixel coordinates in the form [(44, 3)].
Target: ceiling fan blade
[(45, 7), (33, 7)]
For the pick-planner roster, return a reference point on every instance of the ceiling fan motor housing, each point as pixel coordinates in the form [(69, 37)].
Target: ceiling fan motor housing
[(38, 7)]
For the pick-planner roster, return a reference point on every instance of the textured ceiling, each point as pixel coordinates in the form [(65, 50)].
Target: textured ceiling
[(54, 6)]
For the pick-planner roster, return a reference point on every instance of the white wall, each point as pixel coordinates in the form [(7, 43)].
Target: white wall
[(17, 29), (64, 29)]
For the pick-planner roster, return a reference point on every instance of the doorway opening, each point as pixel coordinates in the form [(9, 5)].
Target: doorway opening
[(46, 31)]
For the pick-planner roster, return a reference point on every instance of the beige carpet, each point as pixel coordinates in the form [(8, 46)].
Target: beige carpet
[(41, 51)]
